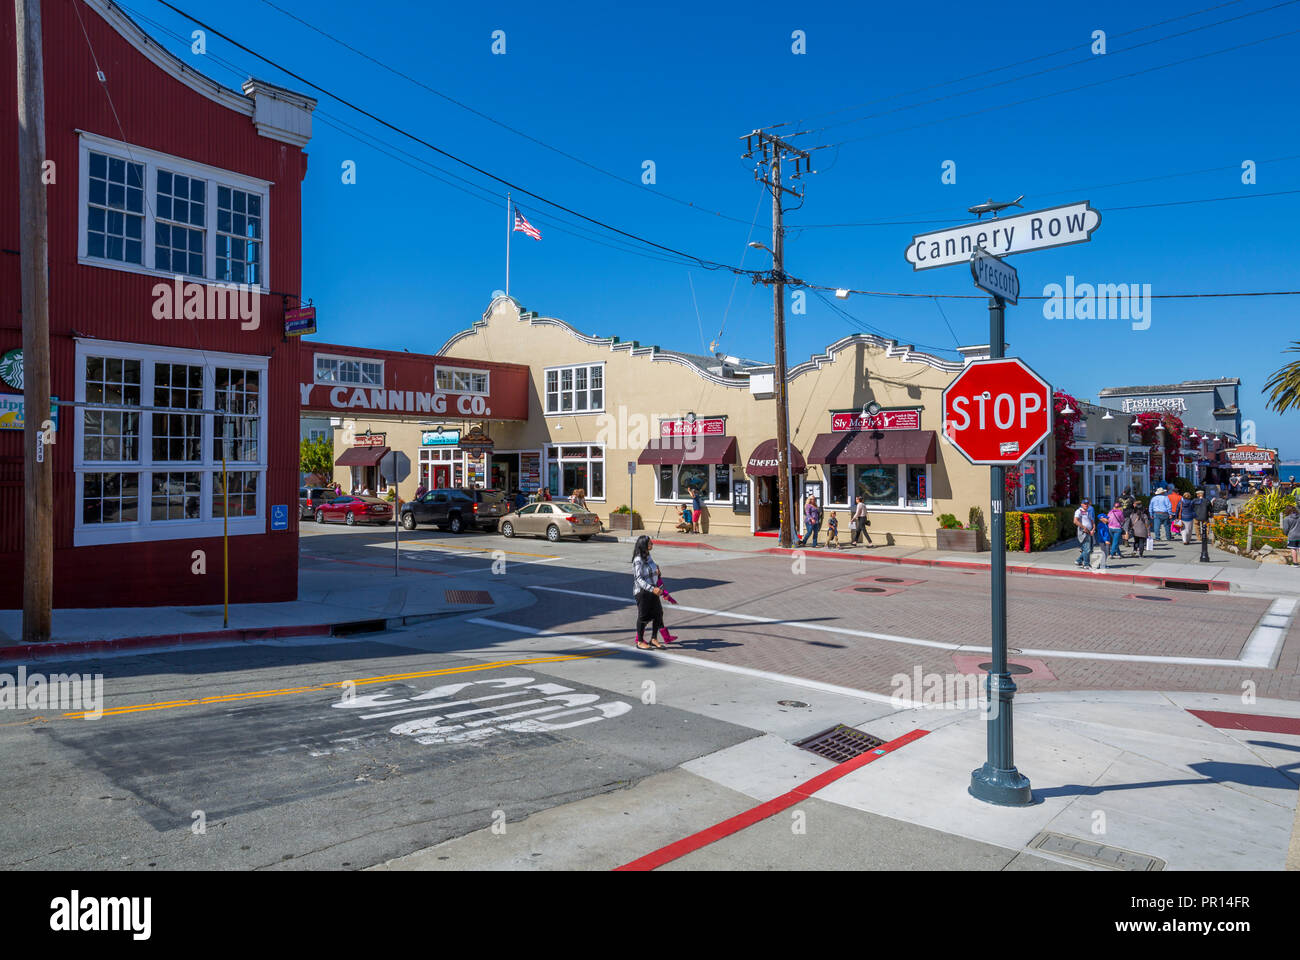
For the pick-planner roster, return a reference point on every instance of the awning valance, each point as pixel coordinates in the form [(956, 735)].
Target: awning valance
[(361, 457), (875, 447), (686, 450), (763, 463)]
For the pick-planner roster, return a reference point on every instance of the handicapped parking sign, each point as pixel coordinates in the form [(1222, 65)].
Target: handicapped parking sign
[(280, 516)]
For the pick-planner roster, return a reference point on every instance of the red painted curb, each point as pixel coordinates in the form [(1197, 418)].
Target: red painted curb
[(752, 816), (36, 651), (1136, 579)]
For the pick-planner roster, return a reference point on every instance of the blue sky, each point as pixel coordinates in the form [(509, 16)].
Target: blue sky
[(402, 260)]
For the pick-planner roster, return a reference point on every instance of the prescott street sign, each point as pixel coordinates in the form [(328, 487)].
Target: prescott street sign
[(1034, 230), (995, 277)]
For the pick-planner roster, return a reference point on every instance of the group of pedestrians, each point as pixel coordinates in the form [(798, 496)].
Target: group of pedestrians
[(812, 525), (1143, 525)]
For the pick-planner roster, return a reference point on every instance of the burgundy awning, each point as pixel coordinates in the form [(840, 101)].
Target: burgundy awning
[(762, 462), (361, 457), (683, 450), (875, 446)]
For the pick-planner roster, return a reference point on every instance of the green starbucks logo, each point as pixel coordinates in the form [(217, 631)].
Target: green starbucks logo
[(11, 369)]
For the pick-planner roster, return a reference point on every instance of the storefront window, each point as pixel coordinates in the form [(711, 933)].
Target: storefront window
[(722, 481), (838, 476), (690, 477), (571, 468), (878, 485), (1033, 480), (918, 486), (713, 481)]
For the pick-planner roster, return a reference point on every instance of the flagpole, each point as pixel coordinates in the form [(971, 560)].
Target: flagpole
[(508, 226)]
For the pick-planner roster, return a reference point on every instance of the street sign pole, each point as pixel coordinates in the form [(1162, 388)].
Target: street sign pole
[(998, 781)]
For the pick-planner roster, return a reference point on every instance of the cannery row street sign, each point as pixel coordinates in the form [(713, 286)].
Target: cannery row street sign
[(1035, 230)]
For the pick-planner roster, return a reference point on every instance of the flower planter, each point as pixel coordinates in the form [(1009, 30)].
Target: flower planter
[(625, 521), (964, 541)]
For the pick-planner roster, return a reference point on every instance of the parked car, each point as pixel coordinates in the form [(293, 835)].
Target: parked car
[(552, 521), (456, 510), (310, 497), (352, 510)]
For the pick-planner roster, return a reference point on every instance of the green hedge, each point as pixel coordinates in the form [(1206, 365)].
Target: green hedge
[(1044, 528)]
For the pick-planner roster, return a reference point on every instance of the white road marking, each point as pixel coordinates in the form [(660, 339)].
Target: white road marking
[(707, 664), (1260, 650)]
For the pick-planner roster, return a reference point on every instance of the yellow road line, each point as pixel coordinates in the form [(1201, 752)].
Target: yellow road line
[(288, 691)]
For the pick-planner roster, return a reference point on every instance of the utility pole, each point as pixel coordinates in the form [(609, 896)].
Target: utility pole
[(38, 482), (770, 150)]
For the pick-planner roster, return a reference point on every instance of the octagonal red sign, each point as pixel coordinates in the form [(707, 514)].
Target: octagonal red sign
[(997, 411)]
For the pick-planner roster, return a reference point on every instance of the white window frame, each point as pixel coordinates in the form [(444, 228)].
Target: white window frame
[(316, 377), (900, 506), (547, 460), (1039, 457), (153, 161), (144, 529), (470, 371), (711, 495), (441, 456), (559, 391)]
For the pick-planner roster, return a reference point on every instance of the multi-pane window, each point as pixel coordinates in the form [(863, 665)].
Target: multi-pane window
[(441, 468), (174, 496), (177, 436), (451, 380), (879, 485), (235, 431), (239, 235), (151, 476), (115, 209), (573, 468), (240, 492), (713, 481), (362, 373), (575, 389), (110, 497), (111, 434), (179, 219), (1033, 486)]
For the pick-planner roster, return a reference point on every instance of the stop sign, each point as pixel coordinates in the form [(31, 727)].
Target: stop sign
[(997, 411)]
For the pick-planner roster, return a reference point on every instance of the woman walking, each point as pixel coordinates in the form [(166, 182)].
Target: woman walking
[(1138, 527), (646, 590), (1115, 523)]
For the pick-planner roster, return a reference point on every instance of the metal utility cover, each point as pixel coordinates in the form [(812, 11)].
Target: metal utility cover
[(840, 743), (1097, 854)]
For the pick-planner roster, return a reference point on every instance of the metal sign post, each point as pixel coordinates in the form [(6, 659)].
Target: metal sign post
[(396, 467)]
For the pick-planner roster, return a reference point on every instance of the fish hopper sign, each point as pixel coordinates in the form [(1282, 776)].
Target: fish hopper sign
[(1003, 236)]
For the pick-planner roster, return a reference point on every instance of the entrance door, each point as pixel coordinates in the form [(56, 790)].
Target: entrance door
[(441, 476)]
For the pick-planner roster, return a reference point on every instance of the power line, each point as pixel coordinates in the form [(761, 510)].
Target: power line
[(702, 261), (1046, 70), (505, 126), (1055, 93), (984, 73)]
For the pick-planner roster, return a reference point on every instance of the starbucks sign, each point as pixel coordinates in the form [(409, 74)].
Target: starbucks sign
[(11, 368)]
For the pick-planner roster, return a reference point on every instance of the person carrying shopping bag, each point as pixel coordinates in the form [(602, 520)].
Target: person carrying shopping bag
[(646, 590)]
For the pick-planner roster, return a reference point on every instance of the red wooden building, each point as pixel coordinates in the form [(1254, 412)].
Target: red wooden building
[(174, 248)]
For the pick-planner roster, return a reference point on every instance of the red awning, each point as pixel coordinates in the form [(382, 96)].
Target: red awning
[(875, 446), (679, 450), (361, 457), (762, 462)]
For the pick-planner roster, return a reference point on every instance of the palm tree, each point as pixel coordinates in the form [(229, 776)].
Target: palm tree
[(1285, 384)]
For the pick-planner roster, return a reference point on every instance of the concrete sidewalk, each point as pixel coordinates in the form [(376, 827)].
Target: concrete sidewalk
[(1122, 781), (331, 594), (1168, 561)]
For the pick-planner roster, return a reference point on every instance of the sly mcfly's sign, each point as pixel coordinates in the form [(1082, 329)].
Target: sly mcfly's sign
[(1035, 230)]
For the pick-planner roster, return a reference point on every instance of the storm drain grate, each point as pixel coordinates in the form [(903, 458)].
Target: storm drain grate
[(1200, 586), (359, 626), (467, 596), (840, 743), (1098, 854)]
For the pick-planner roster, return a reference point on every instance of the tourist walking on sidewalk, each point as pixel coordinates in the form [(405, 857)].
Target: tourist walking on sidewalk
[(1104, 533), (812, 521), (1115, 523), (1187, 515), (1162, 511), (1203, 511), (646, 591), (1138, 526), (1083, 525), (860, 522), (1291, 529)]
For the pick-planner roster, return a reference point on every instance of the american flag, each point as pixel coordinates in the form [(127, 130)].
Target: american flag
[(523, 226)]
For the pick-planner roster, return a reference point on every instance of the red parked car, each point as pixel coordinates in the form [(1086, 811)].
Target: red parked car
[(352, 510)]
